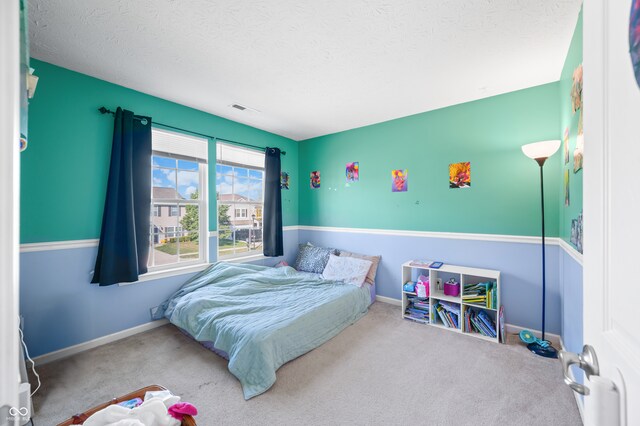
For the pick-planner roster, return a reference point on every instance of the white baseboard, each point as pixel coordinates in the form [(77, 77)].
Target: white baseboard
[(510, 328), (81, 347), (389, 300), (553, 338)]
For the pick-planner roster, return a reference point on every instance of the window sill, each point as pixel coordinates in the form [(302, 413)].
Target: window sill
[(166, 273), (245, 259)]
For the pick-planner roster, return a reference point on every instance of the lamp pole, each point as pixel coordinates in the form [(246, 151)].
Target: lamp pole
[(544, 270), (540, 151)]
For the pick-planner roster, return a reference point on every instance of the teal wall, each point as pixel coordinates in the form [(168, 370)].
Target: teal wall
[(65, 168), (504, 197), (570, 120)]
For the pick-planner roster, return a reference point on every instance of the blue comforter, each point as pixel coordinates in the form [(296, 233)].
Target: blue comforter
[(263, 317)]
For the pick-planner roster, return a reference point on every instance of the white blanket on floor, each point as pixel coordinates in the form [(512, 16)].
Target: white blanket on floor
[(152, 412)]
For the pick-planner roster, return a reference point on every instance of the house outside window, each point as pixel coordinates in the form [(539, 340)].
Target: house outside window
[(241, 214), (179, 226), (240, 198)]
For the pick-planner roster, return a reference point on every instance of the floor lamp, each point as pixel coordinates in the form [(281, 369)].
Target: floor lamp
[(540, 151)]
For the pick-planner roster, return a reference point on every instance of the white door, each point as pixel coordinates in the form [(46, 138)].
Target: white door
[(9, 196), (611, 210)]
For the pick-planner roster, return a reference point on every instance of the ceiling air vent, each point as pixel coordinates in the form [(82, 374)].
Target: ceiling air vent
[(244, 108)]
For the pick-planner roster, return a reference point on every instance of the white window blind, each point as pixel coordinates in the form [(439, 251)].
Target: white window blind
[(180, 144), (234, 155)]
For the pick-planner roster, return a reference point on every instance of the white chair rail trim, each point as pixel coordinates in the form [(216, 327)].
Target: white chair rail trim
[(569, 249)]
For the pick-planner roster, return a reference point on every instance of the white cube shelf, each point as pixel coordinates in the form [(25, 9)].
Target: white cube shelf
[(463, 275)]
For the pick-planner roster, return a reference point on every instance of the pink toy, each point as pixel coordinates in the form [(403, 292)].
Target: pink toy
[(177, 411), (452, 288)]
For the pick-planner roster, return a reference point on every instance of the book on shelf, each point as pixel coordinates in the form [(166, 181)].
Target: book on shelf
[(421, 263), (453, 319), (479, 322), (503, 337), (451, 307), (448, 313), (484, 317), (418, 308), (442, 316), (421, 305), (421, 315), (484, 294)]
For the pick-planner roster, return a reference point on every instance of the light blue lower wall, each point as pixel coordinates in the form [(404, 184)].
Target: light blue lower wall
[(61, 308), (572, 314), (519, 264)]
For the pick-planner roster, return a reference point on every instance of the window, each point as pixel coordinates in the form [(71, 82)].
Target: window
[(179, 201), (239, 192)]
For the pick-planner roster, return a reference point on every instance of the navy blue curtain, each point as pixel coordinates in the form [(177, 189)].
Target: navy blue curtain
[(124, 239), (272, 216)]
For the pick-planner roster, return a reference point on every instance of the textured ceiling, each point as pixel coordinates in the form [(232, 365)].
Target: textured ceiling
[(309, 67)]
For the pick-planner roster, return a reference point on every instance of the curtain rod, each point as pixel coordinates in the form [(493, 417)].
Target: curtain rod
[(104, 110)]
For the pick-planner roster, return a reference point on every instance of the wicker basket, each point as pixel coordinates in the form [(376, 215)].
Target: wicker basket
[(79, 419)]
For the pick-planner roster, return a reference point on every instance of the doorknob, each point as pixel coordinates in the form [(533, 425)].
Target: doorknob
[(587, 361)]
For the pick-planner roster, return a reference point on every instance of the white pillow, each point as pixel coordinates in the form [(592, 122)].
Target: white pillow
[(350, 270)]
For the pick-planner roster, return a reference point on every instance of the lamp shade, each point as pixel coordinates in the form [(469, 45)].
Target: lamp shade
[(538, 150)]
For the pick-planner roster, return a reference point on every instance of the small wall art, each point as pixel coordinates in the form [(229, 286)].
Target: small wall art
[(634, 38), (315, 180), (400, 180), (23, 142), (284, 180), (576, 89), (566, 187), (578, 153), (566, 145), (576, 232), (460, 175), (353, 171)]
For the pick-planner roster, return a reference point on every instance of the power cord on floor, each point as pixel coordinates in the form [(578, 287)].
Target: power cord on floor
[(33, 364)]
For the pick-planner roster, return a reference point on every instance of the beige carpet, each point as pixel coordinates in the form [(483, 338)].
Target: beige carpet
[(383, 370)]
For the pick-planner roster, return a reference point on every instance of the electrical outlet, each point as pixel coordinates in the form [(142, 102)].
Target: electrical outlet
[(153, 311)]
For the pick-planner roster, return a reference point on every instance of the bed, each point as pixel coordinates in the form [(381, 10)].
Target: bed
[(259, 317)]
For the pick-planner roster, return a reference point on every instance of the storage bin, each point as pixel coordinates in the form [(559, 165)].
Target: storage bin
[(452, 288)]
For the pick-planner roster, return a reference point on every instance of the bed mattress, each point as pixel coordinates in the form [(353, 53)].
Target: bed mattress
[(260, 318)]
